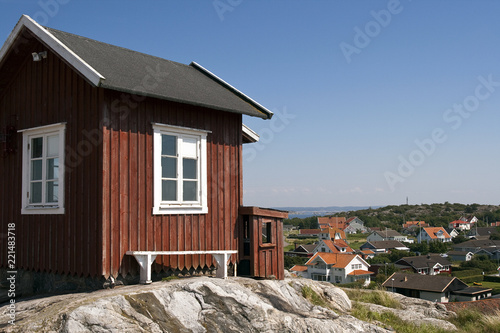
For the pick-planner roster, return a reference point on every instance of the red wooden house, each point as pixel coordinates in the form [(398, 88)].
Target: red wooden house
[(108, 150)]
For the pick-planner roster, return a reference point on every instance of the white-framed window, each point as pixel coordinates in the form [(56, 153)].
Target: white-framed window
[(356, 266), (43, 169), (180, 170)]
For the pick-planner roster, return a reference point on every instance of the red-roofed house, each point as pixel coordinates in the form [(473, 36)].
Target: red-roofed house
[(366, 254), (460, 225), (332, 222), (336, 246), (338, 268), (331, 233), (409, 224), (309, 233), (299, 270), (433, 234)]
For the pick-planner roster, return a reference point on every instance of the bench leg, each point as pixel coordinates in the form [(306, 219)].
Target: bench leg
[(145, 261), (221, 260)]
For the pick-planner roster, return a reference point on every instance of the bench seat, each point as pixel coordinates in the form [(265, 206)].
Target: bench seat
[(146, 259)]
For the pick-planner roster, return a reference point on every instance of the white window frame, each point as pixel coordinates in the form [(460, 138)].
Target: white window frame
[(44, 208), (200, 206)]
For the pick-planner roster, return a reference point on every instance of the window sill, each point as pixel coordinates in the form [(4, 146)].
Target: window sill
[(42, 211), (173, 210), (268, 245)]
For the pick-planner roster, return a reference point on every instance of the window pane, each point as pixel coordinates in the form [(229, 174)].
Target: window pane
[(168, 167), (36, 170), (52, 192), (53, 168), (53, 145), (266, 232), (189, 168), (169, 190), (36, 147), (189, 191), (36, 192), (168, 145), (189, 147)]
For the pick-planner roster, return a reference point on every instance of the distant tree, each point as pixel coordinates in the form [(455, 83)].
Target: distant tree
[(422, 248), (459, 239), (380, 259), (495, 236), (438, 247), (482, 262), (395, 255), (292, 261)]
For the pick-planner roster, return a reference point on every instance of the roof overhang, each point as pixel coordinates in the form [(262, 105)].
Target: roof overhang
[(268, 114), (54, 44), (249, 136)]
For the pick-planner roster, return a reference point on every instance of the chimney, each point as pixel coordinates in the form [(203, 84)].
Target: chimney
[(406, 278)]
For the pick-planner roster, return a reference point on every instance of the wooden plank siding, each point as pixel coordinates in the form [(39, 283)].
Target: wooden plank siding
[(109, 175), (265, 259), (128, 222), (44, 93)]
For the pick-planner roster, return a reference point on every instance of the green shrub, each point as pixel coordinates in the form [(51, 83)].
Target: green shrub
[(470, 279), (467, 272), (492, 278)]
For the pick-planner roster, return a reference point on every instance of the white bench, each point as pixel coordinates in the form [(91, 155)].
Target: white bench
[(146, 258)]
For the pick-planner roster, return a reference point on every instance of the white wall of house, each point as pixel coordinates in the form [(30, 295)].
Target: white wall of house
[(322, 247), (354, 226), (433, 296), (325, 272), (374, 237), (424, 237)]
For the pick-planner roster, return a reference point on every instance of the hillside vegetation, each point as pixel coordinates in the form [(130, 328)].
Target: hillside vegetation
[(436, 214)]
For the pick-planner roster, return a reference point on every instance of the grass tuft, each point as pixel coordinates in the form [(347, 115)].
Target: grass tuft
[(378, 297), (391, 321), (313, 297)]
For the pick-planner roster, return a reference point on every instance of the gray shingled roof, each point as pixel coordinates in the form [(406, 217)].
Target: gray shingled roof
[(390, 244), (142, 74), (424, 261), (435, 283)]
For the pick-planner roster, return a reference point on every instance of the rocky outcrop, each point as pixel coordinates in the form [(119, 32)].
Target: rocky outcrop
[(196, 304), (417, 311)]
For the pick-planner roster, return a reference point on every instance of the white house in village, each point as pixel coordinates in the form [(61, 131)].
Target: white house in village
[(333, 246), (433, 234), (460, 225), (337, 268), (331, 233), (354, 225), (386, 235)]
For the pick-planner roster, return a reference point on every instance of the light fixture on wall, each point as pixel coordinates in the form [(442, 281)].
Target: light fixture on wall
[(38, 56)]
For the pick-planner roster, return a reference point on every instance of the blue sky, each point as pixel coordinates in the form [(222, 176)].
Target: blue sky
[(374, 101)]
